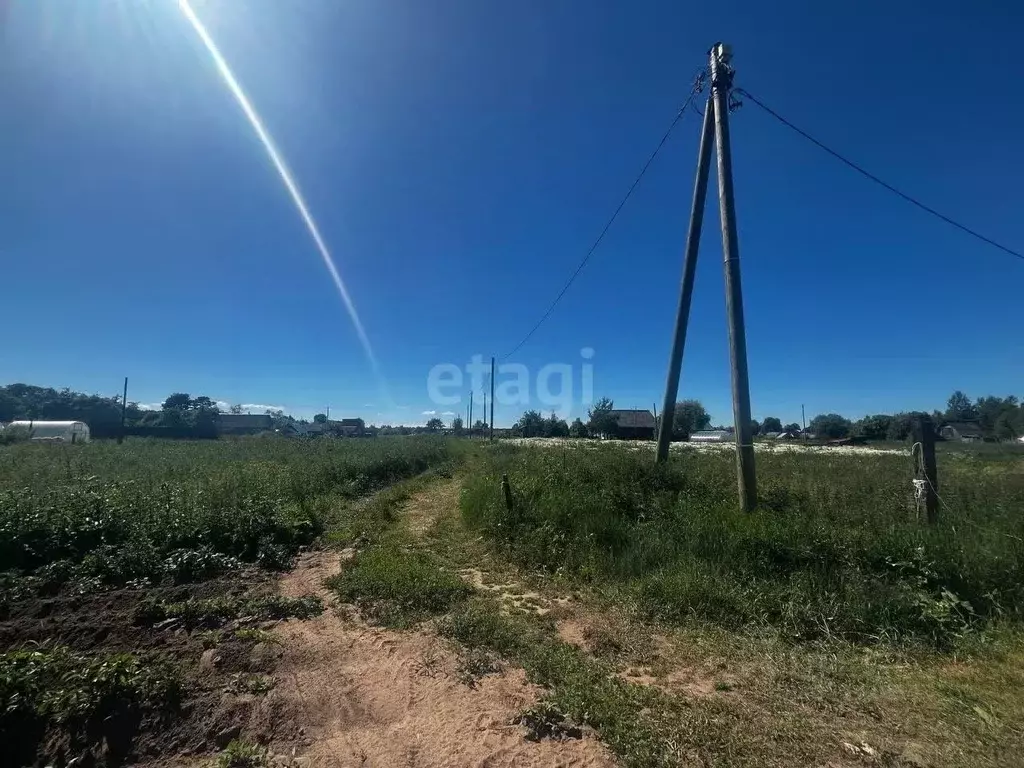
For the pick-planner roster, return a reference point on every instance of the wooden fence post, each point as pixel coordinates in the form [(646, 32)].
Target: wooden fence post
[(506, 489), (926, 474)]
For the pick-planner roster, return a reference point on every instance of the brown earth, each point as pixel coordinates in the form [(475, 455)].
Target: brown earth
[(368, 696), (203, 720)]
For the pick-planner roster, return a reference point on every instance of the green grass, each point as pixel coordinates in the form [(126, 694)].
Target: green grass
[(398, 588), (585, 689), (154, 511), (834, 550), (242, 754)]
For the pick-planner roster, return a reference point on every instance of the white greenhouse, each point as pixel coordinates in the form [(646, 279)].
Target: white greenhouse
[(55, 431)]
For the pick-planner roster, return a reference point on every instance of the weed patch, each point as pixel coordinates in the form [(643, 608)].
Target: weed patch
[(398, 588), (242, 754), (219, 610)]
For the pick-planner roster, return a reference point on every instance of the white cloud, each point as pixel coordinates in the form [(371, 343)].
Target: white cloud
[(367, 405), (429, 413), (403, 407), (448, 413), (150, 406)]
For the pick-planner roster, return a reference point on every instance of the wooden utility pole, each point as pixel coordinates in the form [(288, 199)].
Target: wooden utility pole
[(485, 408), (925, 469), (700, 191), (492, 398), (471, 411), (715, 132), (124, 408), (721, 84), (803, 418)]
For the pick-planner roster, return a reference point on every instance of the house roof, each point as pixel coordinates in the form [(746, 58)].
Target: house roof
[(351, 422), (250, 420), (965, 427), (634, 418)]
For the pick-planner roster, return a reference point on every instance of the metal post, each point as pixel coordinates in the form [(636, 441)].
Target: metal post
[(492, 398), (124, 407), (700, 190), (721, 82)]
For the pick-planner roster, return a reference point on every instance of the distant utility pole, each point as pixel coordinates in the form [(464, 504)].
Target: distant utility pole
[(124, 408), (716, 116), (484, 393), (471, 410), (803, 418), (328, 414), (492, 398)]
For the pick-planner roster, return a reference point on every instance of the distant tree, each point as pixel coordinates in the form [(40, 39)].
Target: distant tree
[(457, 425), (1008, 425), (321, 418), (578, 428), (793, 427), (873, 427), (8, 407), (179, 401), (435, 425), (999, 416), (601, 421), (530, 424), (830, 425), (901, 425), (205, 403), (479, 425), (960, 408), (235, 409), (690, 417), (755, 427), (771, 424), (555, 427)]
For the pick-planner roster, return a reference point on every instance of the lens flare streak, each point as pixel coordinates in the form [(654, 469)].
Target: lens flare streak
[(283, 172)]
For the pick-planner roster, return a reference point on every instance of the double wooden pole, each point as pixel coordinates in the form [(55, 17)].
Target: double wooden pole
[(715, 131)]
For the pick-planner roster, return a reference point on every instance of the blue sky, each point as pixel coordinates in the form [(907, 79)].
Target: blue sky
[(460, 156)]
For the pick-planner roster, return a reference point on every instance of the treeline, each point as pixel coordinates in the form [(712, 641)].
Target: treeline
[(690, 416), (27, 402), (181, 415), (991, 418)]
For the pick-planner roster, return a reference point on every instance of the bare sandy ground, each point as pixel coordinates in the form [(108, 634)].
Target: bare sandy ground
[(366, 696)]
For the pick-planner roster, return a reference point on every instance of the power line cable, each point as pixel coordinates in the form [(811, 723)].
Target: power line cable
[(913, 201), (698, 86)]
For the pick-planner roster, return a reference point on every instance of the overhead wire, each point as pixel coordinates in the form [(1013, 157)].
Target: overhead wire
[(698, 86), (908, 198)]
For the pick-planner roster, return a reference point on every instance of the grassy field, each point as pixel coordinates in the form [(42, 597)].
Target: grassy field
[(834, 550), (829, 627)]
